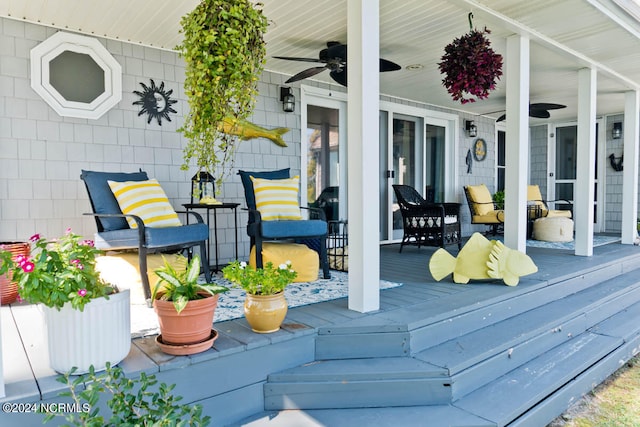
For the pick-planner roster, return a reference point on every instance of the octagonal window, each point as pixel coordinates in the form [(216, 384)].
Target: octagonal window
[(76, 75)]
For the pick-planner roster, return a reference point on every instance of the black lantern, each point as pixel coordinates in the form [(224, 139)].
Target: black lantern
[(203, 185), (288, 100), (471, 128)]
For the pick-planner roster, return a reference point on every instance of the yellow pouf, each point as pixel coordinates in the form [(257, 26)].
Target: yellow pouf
[(123, 270), (304, 261), (553, 229)]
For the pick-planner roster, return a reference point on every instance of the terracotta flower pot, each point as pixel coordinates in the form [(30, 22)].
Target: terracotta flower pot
[(265, 313), (192, 326), (9, 288)]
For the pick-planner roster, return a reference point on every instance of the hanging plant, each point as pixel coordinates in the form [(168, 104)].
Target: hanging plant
[(470, 66), (224, 53)]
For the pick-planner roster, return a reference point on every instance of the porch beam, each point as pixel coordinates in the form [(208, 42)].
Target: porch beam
[(363, 22), (491, 15), (517, 142), (630, 172), (583, 193)]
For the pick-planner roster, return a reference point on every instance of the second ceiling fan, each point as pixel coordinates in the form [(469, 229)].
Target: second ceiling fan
[(538, 110), (334, 58)]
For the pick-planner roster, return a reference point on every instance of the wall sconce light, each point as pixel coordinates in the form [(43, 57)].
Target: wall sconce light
[(287, 99), (617, 130), (471, 128)]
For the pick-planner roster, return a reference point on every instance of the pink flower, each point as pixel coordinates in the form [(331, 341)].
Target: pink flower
[(87, 242), (68, 230), (27, 267), (82, 292), (34, 238), (77, 263)]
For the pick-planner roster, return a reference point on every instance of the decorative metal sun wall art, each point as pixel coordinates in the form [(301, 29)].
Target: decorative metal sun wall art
[(155, 102)]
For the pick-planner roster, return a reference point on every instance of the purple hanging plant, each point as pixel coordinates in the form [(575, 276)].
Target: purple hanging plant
[(470, 66)]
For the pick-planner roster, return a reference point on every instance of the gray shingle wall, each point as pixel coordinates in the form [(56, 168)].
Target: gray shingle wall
[(42, 153)]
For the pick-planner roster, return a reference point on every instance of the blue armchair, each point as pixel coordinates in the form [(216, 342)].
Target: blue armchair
[(114, 233), (314, 229)]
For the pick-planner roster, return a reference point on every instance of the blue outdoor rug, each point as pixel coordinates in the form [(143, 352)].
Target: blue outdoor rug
[(144, 320), (598, 240)]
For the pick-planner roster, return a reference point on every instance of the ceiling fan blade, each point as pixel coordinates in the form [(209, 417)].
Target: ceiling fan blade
[(546, 106), (306, 74), (388, 65), (340, 76), (539, 114), (293, 58)]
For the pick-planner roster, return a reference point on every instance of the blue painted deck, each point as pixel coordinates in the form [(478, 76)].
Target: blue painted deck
[(435, 353)]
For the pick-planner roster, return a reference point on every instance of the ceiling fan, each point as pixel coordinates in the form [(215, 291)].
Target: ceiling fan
[(538, 110), (334, 58)]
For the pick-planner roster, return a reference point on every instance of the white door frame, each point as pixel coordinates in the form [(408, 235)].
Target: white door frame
[(450, 122), (310, 95), (599, 224)]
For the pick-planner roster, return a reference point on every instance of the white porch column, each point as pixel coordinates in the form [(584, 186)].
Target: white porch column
[(630, 172), (517, 142), (363, 57), (583, 193)]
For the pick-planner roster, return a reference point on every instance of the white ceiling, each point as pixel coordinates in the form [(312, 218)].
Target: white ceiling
[(566, 35)]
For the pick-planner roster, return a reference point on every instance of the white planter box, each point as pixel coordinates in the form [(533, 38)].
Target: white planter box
[(99, 334)]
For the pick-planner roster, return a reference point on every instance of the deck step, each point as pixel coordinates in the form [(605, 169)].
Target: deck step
[(435, 333), (451, 370), (358, 383), (416, 416), (477, 357), (513, 394)]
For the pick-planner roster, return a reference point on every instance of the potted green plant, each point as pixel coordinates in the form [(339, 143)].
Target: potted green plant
[(265, 306), (133, 401), (498, 199), (224, 53), (87, 320), (185, 309)]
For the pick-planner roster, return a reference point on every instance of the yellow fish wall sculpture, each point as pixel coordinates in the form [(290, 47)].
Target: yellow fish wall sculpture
[(481, 258), (247, 130)]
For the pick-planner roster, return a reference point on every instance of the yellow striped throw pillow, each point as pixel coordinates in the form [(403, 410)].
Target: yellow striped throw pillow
[(277, 199), (147, 200)]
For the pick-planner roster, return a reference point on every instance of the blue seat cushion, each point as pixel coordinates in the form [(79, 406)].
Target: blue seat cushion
[(156, 237), (245, 176), (293, 229), (102, 198)]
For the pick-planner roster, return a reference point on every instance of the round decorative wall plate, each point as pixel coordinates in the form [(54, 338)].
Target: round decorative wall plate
[(480, 149), (155, 101)]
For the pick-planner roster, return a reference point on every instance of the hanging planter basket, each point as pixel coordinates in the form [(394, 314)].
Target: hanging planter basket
[(470, 66)]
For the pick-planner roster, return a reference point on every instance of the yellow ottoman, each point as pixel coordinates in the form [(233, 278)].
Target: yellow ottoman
[(304, 261), (553, 229)]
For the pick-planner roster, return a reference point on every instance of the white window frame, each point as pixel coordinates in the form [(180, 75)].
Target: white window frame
[(45, 52)]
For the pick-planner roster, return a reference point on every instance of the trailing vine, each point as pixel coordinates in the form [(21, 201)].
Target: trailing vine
[(224, 53)]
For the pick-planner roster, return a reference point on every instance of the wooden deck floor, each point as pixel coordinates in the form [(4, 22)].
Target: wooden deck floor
[(242, 357)]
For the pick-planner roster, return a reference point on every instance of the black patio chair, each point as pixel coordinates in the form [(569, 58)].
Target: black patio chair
[(311, 232), (427, 224), (114, 233)]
